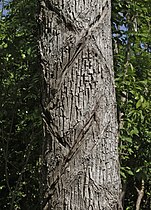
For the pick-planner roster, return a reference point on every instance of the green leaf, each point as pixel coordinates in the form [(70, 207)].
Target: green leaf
[(134, 131), (138, 170), (138, 104), (23, 55), (130, 172), (128, 139), (123, 174), (145, 104)]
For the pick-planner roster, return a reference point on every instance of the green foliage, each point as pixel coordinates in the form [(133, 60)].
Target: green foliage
[(132, 60), (20, 120)]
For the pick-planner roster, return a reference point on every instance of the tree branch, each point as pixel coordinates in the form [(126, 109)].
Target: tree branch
[(140, 195)]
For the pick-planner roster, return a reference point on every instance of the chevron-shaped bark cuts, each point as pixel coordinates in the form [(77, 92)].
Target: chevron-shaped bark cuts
[(80, 140)]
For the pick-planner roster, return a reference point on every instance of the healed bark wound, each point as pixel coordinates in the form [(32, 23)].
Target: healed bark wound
[(79, 112)]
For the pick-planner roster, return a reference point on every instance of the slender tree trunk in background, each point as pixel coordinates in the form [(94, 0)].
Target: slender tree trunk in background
[(140, 195), (79, 110)]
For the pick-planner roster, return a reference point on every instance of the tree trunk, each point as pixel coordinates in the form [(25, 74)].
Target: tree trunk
[(79, 109), (140, 195)]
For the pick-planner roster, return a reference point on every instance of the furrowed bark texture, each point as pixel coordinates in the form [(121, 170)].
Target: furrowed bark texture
[(79, 112)]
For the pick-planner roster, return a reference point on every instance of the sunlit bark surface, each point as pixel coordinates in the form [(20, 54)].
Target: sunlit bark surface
[(79, 112)]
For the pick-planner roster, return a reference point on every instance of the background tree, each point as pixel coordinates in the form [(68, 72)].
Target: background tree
[(79, 112)]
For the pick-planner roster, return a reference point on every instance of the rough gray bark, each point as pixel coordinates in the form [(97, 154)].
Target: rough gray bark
[(79, 112)]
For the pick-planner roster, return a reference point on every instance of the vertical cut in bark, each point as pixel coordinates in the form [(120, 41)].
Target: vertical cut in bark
[(79, 110)]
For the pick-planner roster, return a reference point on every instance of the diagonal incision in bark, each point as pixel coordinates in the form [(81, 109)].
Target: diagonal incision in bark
[(86, 36), (68, 158), (52, 128), (83, 132), (100, 54), (73, 149), (79, 139), (79, 47), (67, 21)]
